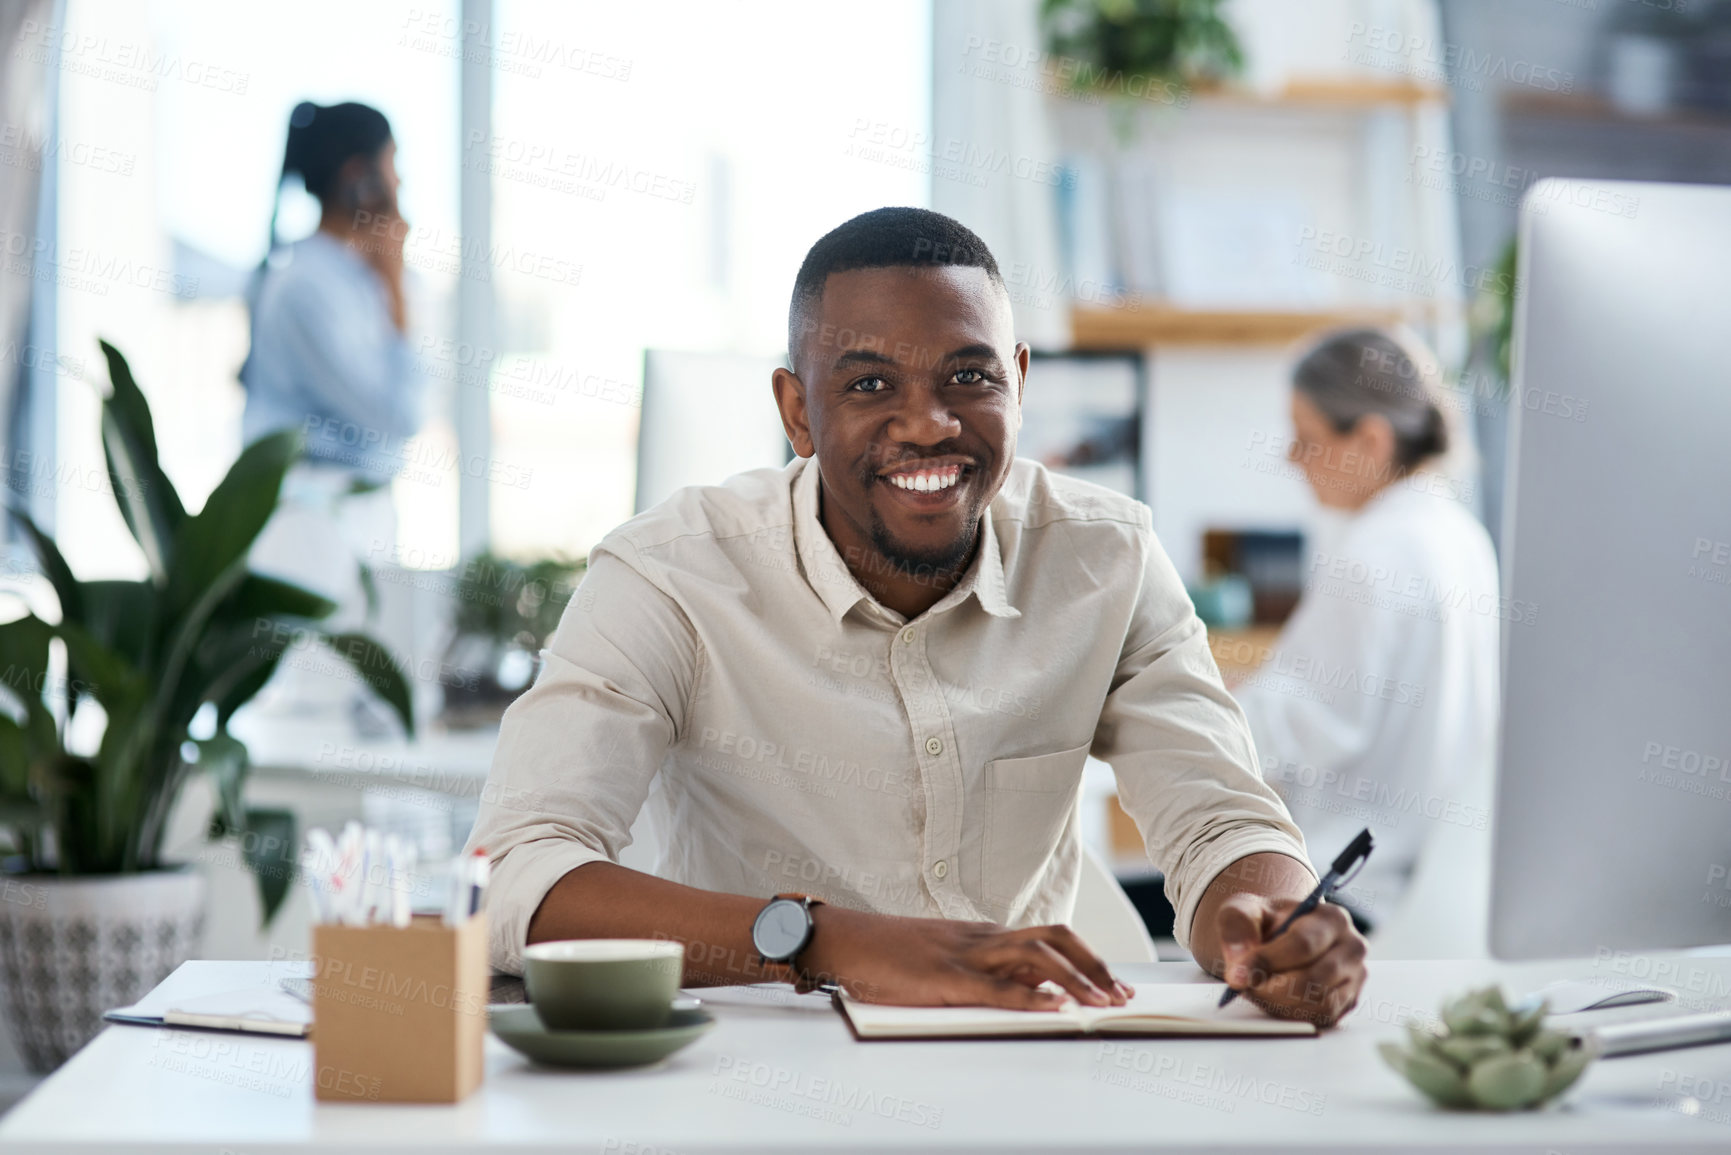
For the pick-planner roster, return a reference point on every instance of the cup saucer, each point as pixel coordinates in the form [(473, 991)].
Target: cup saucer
[(521, 1029)]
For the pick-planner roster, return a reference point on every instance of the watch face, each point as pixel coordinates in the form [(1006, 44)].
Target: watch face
[(781, 929)]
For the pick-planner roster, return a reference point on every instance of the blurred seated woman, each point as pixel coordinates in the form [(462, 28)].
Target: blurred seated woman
[(1378, 704)]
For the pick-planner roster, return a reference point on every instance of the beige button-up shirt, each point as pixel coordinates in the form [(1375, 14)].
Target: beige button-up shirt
[(721, 665)]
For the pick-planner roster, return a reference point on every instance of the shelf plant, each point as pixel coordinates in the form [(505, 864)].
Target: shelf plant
[(506, 611), (1183, 43)]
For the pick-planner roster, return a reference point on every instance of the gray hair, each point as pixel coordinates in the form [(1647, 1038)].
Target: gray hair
[(1352, 374)]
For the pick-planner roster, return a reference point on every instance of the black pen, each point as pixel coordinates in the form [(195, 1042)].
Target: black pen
[(1354, 855)]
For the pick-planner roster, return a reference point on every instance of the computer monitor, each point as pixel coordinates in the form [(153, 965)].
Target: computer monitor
[(1612, 820), (706, 417)]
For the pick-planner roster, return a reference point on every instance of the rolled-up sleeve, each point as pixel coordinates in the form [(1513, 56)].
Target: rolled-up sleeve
[(579, 750), (1181, 749)]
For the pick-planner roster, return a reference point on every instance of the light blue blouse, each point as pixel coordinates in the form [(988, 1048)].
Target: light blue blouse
[(327, 360)]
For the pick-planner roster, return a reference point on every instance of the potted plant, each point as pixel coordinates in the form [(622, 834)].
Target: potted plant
[(92, 916), (506, 611), (1491, 319), (1127, 43)]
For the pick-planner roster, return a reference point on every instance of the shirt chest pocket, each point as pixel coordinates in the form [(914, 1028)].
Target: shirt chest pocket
[(1028, 804)]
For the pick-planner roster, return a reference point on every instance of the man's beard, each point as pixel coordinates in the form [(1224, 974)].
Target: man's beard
[(941, 563)]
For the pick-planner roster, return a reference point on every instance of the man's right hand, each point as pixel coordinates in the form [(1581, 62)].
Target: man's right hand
[(939, 962)]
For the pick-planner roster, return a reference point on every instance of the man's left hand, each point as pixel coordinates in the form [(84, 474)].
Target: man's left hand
[(1313, 971)]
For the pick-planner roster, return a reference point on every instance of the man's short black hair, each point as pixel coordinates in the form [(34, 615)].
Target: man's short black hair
[(883, 239)]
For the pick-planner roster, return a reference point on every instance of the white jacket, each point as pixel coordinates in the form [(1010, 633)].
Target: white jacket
[(1378, 704)]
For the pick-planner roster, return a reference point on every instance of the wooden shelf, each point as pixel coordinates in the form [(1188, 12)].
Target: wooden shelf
[(1305, 94), (1239, 652), (1136, 327), (1588, 109), (1587, 138), (1350, 92), (1359, 90)]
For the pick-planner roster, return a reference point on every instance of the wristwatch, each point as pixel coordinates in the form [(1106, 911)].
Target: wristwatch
[(783, 929)]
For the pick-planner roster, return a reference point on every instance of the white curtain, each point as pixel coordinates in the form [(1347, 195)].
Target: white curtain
[(992, 154), (24, 106)]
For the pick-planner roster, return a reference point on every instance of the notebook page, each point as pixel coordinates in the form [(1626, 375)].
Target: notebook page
[(1190, 1004), (876, 1020), (1187, 1007)]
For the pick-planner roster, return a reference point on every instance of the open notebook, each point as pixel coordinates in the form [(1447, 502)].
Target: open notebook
[(1158, 1009)]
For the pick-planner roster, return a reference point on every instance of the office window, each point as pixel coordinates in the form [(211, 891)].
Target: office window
[(173, 116), (658, 173)]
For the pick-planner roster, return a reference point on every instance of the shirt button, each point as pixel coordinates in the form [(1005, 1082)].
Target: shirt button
[(933, 746), (941, 869), (908, 636)]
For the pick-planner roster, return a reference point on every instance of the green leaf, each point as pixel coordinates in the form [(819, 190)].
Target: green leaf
[(54, 567), (369, 587), (1549, 1044), (14, 765), (188, 632), (244, 640), (24, 672), (221, 533), (244, 687), (24, 655), (1467, 1050), (148, 503), (21, 813), (235, 660), (107, 672), (224, 758), (1436, 1078), (1566, 1069), (67, 787), (110, 807), (260, 596), (268, 841), (128, 400), (122, 616), (1505, 1082), (379, 670)]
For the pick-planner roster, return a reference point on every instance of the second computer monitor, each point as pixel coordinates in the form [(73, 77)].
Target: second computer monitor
[(1612, 822)]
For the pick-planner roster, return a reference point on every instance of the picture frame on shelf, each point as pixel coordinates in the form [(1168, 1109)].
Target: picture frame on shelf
[(1082, 417)]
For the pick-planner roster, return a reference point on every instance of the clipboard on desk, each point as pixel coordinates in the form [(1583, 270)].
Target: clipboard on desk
[(284, 1012), (502, 990), (250, 1010)]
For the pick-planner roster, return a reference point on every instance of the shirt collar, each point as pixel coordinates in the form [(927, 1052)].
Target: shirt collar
[(833, 582)]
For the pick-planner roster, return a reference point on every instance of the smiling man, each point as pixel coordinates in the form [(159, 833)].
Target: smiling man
[(872, 678)]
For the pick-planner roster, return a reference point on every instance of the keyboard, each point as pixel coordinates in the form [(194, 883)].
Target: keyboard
[(1662, 1034)]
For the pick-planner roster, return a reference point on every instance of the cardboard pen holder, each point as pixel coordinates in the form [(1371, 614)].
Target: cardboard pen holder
[(399, 1014)]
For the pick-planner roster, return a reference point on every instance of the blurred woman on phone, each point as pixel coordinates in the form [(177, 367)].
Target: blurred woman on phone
[(331, 357)]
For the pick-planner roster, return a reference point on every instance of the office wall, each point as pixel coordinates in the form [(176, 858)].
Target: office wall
[(1214, 432)]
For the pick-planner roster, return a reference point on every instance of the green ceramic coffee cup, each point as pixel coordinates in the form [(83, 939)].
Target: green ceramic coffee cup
[(603, 984)]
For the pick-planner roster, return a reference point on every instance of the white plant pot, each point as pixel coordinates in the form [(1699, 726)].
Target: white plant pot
[(72, 948)]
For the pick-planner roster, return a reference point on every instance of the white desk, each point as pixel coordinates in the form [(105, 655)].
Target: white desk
[(448, 761), (139, 1089)]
